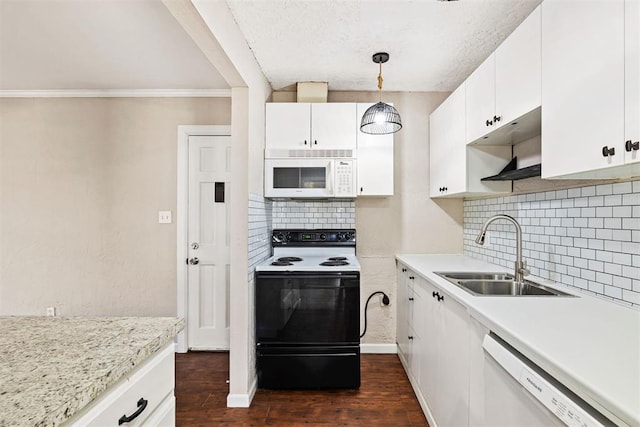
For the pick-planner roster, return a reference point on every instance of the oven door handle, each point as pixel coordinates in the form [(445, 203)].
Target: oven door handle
[(297, 275)]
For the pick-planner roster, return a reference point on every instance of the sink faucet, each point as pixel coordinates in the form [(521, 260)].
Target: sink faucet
[(520, 265)]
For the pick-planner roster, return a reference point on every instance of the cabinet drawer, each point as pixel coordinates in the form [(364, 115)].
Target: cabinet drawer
[(148, 386)]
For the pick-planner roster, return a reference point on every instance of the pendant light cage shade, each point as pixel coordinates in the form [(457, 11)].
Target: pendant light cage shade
[(380, 119)]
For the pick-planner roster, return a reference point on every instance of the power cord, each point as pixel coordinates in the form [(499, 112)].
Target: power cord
[(385, 301)]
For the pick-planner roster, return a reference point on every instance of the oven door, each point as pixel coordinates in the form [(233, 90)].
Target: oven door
[(298, 177), (299, 308)]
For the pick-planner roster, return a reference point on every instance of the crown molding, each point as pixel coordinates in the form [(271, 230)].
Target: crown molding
[(118, 93)]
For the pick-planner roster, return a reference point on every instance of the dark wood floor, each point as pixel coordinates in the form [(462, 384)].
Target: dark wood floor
[(385, 397)]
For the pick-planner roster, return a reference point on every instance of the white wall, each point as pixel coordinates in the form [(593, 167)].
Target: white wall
[(81, 184), (248, 126)]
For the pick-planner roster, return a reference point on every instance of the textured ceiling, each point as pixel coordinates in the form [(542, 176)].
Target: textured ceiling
[(105, 44), (433, 45)]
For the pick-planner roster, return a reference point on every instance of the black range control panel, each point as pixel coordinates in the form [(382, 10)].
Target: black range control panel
[(329, 237)]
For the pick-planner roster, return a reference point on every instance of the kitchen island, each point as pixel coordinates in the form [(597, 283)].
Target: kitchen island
[(53, 368)]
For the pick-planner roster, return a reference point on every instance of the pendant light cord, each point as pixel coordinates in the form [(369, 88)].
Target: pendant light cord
[(380, 82)]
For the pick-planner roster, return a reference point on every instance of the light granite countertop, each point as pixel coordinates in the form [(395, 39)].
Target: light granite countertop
[(51, 367)]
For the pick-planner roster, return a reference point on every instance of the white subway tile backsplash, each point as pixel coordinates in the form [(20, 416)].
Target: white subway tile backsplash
[(260, 217), (622, 187), (622, 235), (314, 214), (588, 191), (632, 198), (596, 287), (631, 223), (613, 292), (585, 237)]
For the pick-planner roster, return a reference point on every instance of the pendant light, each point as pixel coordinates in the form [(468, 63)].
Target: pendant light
[(380, 118)]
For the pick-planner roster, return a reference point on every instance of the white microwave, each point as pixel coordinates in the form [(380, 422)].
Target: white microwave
[(309, 178)]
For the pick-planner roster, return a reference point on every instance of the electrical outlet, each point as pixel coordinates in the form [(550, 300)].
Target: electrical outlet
[(51, 311), (382, 304)]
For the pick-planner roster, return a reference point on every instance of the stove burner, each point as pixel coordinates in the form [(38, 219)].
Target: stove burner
[(281, 263), (338, 258), (334, 263), (289, 259)]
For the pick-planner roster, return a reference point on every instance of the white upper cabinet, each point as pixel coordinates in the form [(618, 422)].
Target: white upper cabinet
[(585, 89), (375, 161), (518, 71), (455, 169), (447, 146), (632, 81), (288, 125), (326, 126), (506, 86), (334, 125), (481, 99)]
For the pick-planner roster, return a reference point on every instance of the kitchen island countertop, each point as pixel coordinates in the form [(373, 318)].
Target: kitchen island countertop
[(52, 367), (589, 344)]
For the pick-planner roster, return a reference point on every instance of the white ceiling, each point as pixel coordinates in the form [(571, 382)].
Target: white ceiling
[(103, 44), (433, 45), (137, 44)]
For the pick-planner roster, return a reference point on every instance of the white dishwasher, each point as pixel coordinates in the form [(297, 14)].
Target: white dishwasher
[(518, 393)]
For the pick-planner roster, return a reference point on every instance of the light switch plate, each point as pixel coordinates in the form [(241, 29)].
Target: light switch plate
[(164, 217)]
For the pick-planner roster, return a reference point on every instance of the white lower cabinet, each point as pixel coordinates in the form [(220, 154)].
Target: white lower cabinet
[(437, 358), (146, 396)]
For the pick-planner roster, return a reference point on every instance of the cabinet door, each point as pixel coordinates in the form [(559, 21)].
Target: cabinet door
[(288, 125), (375, 162), (632, 79), (518, 71), (416, 327), (481, 95), (333, 126), (431, 335), (402, 322), (453, 366), (582, 85), (447, 146)]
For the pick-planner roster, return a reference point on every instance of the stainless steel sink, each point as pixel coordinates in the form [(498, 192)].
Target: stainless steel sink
[(498, 284), (477, 276)]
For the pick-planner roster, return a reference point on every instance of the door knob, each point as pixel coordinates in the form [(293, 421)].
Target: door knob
[(194, 261)]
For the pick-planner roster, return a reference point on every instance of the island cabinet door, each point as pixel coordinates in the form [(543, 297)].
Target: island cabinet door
[(144, 395)]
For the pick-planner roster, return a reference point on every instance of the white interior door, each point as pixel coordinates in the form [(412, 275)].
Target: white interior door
[(208, 241)]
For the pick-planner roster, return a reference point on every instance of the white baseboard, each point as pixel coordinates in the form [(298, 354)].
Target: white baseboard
[(242, 400), (378, 348)]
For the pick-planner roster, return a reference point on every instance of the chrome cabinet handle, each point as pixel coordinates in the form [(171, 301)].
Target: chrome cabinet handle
[(194, 261)]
